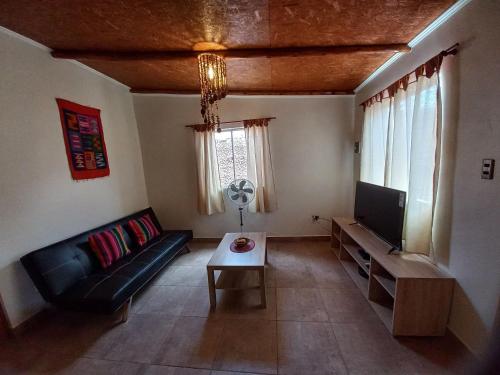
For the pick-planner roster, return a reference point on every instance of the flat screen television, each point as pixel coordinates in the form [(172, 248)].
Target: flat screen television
[(381, 210)]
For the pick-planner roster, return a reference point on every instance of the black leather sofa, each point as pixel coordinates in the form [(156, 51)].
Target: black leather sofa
[(68, 275)]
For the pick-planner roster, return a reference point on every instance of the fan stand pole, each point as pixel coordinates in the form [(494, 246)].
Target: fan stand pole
[(241, 219)]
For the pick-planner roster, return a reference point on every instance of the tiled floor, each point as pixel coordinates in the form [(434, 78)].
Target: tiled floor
[(316, 323)]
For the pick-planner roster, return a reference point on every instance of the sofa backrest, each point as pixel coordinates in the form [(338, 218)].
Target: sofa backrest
[(57, 267)]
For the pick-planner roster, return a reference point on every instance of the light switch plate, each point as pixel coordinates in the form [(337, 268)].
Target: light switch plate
[(488, 169), (356, 147)]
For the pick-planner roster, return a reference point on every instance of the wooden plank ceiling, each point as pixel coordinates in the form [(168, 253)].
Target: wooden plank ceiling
[(126, 39)]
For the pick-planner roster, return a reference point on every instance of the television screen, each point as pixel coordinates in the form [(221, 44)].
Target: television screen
[(382, 210)]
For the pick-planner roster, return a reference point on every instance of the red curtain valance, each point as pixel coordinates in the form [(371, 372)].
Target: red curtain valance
[(428, 69), (246, 123), (202, 127), (256, 122)]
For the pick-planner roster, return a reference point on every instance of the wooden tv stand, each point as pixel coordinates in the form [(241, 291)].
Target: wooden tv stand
[(411, 295)]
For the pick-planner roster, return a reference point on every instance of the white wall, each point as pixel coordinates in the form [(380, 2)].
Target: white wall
[(39, 202), (311, 146), (472, 214)]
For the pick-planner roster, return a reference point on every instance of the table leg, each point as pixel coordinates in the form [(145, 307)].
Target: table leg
[(262, 283), (211, 288)]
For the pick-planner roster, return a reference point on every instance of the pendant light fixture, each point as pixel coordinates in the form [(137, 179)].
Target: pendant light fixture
[(212, 70)]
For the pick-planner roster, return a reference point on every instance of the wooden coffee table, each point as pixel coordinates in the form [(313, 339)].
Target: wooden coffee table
[(227, 261)]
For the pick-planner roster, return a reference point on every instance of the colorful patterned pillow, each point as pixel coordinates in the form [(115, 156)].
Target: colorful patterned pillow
[(109, 245), (143, 229)]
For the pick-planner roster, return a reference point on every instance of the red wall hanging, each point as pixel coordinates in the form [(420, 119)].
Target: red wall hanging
[(85, 147)]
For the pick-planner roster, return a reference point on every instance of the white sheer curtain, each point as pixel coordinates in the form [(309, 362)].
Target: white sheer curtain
[(407, 122), (450, 101), (210, 198), (259, 166), (415, 158), (374, 144)]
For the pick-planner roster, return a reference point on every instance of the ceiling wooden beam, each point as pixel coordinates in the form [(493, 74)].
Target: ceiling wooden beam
[(241, 92), (228, 53)]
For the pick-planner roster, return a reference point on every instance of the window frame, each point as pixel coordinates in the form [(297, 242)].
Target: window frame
[(229, 130)]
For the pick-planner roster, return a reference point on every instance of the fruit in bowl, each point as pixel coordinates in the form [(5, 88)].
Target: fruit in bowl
[(241, 242)]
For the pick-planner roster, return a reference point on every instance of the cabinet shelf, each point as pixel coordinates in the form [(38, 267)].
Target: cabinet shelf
[(353, 252), (352, 270), (384, 312), (388, 284)]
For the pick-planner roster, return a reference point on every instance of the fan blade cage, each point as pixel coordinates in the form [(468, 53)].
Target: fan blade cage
[(241, 192)]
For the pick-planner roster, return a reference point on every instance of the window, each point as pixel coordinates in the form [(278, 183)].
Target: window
[(231, 149)]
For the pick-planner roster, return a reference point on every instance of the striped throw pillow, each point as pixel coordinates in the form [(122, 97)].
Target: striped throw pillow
[(109, 245), (143, 229)]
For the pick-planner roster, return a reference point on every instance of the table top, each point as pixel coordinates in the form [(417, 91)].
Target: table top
[(225, 258)]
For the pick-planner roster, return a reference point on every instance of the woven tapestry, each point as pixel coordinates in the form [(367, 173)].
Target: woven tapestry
[(85, 147)]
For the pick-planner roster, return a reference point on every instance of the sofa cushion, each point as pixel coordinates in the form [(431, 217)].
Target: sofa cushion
[(106, 290), (109, 245), (144, 229), (177, 237), (56, 268)]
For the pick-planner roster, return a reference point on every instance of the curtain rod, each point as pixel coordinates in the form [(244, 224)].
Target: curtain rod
[(233, 122), (453, 50)]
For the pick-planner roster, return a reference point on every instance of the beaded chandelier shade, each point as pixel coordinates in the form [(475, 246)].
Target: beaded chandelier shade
[(212, 69)]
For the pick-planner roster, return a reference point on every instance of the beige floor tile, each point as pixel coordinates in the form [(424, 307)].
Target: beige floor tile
[(19, 357), (231, 373), (197, 303), (183, 276), (192, 342), (288, 254), (347, 306), (160, 299), (331, 275), (199, 256), (248, 346), (138, 339), (321, 250), (440, 355), (245, 304), (368, 348), (238, 279), (308, 348), (86, 366), (109, 338), (294, 276), (300, 304), (167, 370), (248, 278), (67, 333), (231, 304)]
